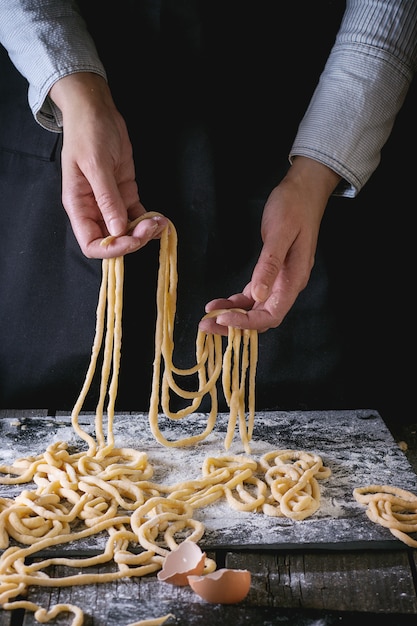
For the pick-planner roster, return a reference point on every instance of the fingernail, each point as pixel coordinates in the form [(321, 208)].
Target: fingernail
[(117, 226), (260, 293), (156, 223), (135, 245)]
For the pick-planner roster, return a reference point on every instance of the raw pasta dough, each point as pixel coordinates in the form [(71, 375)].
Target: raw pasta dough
[(83, 494), (237, 366), (391, 507)]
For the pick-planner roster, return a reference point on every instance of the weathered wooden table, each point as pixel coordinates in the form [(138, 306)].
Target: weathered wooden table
[(333, 568)]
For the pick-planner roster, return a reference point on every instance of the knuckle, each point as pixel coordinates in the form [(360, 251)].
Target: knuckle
[(106, 204), (271, 265)]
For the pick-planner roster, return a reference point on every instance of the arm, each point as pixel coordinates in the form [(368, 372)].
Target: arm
[(47, 41), (337, 147), (361, 90)]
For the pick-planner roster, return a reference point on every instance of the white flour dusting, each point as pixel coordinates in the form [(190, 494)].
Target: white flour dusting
[(356, 445)]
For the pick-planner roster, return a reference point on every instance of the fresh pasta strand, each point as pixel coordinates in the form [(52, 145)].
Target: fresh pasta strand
[(210, 362), (111, 290), (42, 615), (391, 507)]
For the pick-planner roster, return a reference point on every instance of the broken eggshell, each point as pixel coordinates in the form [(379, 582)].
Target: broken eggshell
[(186, 560), (224, 586)]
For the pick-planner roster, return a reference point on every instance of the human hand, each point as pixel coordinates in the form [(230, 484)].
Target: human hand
[(99, 190), (290, 227)]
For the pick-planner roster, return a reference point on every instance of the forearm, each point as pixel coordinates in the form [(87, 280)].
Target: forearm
[(361, 90), (47, 41)]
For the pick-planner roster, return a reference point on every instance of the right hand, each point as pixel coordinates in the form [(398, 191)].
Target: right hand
[(99, 190)]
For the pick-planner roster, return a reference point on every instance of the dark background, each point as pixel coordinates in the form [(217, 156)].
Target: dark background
[(212, 93)]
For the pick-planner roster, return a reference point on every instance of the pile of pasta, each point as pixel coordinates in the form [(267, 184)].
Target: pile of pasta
[(391, 507), (81, 494), (105, 489)]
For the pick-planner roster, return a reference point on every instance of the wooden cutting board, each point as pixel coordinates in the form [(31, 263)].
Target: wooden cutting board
[(356, 445)]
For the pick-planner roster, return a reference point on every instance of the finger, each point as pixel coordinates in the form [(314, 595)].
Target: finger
[(109, 247), (220, 307), (260, 316), (238, 300), (150, 228), (212, 324), (271, 313), (109, 201), (264, 274), (255, 319), (259, 320), (211, 327)]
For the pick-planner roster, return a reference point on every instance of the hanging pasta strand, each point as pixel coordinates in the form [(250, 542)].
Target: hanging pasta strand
[(210, 363), (95, 352), (237, 366), (112, 351), (110, 318)]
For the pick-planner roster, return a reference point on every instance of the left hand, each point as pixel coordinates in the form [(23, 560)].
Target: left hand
[(290, 228)]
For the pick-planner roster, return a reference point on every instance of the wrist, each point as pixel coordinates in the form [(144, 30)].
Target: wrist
[(315, 175), (81, 89)]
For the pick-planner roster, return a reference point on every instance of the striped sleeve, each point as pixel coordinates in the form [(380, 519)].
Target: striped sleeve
[(361, 90), (46, 41)]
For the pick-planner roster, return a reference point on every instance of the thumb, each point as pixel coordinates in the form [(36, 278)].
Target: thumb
[(111, 204), (264, 275)]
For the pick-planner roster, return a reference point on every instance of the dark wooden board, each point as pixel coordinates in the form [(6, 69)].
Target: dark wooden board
[(377, 581), (287, 587)]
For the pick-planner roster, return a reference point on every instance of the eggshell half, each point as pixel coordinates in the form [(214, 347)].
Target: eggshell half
[(224, 586), (186, 560)]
